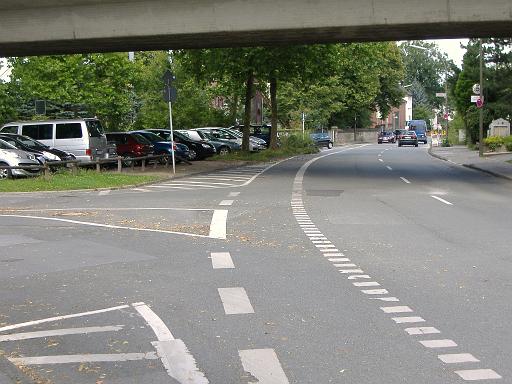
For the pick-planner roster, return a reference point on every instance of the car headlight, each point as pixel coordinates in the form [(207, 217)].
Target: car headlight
[(206, 146)]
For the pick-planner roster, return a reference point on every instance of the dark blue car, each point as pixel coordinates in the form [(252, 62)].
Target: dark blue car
[(161, 147)]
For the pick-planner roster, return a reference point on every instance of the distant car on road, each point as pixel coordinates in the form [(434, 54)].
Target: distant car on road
[(386, 137), (407, 137), (322, 139)]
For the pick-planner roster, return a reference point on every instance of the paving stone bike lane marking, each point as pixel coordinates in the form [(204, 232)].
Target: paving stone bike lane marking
[(355, 272)]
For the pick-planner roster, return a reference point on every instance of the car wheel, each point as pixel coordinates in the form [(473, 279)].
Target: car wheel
[(223, 151), (416, 144), (329, 145), (192, 154), (163, 160), (399, 144), (5, 173)]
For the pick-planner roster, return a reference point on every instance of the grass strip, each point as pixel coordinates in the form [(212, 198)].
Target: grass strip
[(62, 181)]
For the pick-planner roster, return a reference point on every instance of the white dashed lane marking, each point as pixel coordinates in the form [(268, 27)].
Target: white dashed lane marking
[(235, 301), (478, 374), (404, 320), (405, 180), (60, 332), (445, 343), (422, 331), (456, 358), (234, 194), (401, 309), (441, 200), (222, 260), (389, 168), (264, 365), (226, 203)]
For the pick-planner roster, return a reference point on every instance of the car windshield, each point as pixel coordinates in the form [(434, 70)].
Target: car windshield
[(192, 135), (205, 135), (5, 145), (141, 139), (150, 136), (31, 143)]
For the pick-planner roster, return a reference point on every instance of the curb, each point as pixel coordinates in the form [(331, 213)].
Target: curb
[(495, 174), (9, 371), (431, 153)]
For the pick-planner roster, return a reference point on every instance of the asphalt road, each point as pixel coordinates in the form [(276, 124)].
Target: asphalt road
[(362, 264)]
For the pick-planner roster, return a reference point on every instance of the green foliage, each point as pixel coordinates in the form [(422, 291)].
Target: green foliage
[(508, 143), (494, 143)]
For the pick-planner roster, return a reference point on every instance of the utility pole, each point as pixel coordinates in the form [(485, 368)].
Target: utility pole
[(481, 130), (355, 126)]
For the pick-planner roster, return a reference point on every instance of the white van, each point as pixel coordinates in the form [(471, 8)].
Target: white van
[(84, 138)]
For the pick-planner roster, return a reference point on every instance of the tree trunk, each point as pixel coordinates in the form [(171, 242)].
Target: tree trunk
[(247, 115), (234, 108), (273, 103)]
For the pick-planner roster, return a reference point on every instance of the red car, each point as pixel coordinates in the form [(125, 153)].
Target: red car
[(130, 144)]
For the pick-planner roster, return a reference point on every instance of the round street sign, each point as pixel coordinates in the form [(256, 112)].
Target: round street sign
[(476, 89)]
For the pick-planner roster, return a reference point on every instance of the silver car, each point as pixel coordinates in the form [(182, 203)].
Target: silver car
[(10, 156)]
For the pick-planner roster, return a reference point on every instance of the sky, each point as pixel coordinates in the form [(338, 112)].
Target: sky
[(451, 47)]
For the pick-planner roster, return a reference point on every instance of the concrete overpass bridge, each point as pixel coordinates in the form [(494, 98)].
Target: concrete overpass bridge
[(32, 27)]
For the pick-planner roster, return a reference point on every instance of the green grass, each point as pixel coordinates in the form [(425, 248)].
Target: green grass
[(63, 181)]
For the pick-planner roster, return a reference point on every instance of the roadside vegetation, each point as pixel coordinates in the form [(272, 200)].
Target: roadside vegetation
[(64, 180)]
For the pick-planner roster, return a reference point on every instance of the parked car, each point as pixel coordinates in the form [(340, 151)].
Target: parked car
[(199, 149), (223, 147), (322, 139), (84, 138), (232, 135), (255, 143), (10, 156), (164, 147), (258, 133), (386, 137), (130, 145), (407, 137), (42, 152)]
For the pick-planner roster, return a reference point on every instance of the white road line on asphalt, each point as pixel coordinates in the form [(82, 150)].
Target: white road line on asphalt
[(105, 192), (355, 277), (235, 301), (350, 271), (324, 245), (478, 374), (91, 224), (367, 284), (313, 234), (222, 260), (422, 331), (113, 209), (405, 180), (329, 250), (93, 358), (445, 343), (337, 259), (404, 320), (218, 225), (157, 325), (234, 194), (226, 203), (381, 160), (60, 332), (207, 179), (258, 174), (184, 184), (57, 318), (345, 265), (401, 309), (456, 358), (441, 200), (264, 365), (140, 190), (334, 254), (321, 241), (376, 292), (386, 299), (200, 183), (389, 168)]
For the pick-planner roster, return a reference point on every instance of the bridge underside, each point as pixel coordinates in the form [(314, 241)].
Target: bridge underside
[(31, 27)]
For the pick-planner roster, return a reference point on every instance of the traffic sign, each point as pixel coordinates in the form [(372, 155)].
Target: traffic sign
[(441, 94), (170, 94), (476, 89), (168, 77)]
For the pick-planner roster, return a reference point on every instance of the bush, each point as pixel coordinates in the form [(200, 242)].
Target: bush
[(494, 143), (508, 143)]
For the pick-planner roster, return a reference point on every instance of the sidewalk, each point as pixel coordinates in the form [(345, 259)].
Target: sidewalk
[(495, 164)]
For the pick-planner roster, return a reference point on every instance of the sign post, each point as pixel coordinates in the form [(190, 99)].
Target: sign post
[(170, 96)]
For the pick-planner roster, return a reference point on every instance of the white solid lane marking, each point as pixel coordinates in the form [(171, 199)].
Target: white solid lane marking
[(321, 241), (345, 265), (218, 225), (226, 202), (401, 309), (157, 325), (234, 194), (235, 301), (68, 359), (441, 200), (337, 259), (350, 271), (60, 332), (325, 246), (376, 292), (222, 260), (103, 193), (264, 365), (445, 343), (404, 320), (57, 318), (367, 284), (385, 298), (422, 331), (405, 180), (478, 374), (456, 358), (355, 277), (388, 167)]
